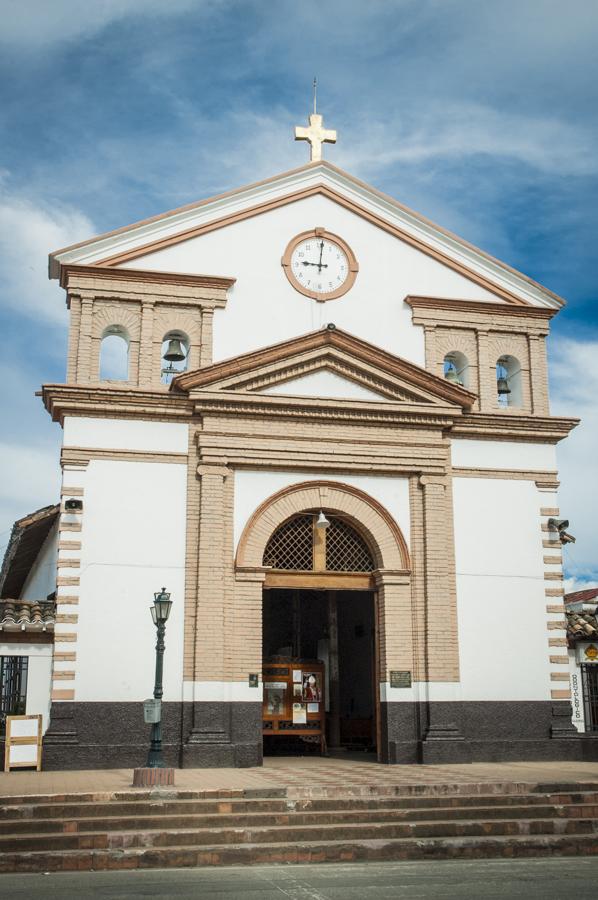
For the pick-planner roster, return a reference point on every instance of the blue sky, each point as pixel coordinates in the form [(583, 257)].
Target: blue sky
[(481, 116)]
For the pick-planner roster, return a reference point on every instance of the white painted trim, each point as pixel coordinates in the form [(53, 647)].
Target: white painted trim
[(221, 691), (25, 649), (493, 454), (126, 434), (421, 691)]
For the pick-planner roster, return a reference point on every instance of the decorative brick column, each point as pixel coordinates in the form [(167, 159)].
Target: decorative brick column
[(443, 740), (217, 721)]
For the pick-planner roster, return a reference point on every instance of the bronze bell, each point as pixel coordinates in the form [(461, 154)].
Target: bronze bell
[(453, 376), (174, 351), (502, 386)]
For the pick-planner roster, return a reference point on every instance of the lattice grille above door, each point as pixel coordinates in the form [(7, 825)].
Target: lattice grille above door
[(346, 550), (291, 545), (298, 545)]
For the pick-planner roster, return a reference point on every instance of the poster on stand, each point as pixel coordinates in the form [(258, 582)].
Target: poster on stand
[(312, 687), (275, 702), (299, 714)]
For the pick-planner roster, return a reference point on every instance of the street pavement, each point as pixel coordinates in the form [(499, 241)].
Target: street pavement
[(549, 879)]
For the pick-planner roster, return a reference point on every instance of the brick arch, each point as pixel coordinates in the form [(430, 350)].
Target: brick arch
[(369, 517)]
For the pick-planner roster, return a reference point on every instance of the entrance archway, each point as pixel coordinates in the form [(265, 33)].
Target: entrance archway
[(302, 567)]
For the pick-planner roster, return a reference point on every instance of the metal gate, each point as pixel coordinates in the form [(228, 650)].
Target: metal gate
[(589, 684), (13, 687)]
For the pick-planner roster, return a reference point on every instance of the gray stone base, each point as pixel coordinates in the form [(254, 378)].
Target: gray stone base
[(202, 735), (114, 735), (480, 731)]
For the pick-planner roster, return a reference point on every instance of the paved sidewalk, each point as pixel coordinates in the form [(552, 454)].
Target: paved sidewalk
[(298, 772)]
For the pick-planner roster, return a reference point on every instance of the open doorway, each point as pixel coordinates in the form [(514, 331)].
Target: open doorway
[(319, 665)]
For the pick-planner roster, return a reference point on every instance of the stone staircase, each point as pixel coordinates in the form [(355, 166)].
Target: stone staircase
[(157, 829)]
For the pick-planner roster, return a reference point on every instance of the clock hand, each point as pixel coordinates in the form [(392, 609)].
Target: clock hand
[(320, 260), (319, 265)]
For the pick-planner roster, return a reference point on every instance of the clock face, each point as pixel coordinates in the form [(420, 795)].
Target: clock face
[(320, 265)]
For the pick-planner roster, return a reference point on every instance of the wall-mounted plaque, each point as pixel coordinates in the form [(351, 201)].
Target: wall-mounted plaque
[(254, 680), (400, 679)]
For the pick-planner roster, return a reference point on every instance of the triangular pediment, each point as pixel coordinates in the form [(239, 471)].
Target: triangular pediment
[(139, 243), (346, 367)]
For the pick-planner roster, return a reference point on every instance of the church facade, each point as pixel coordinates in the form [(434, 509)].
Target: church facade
[(332, 444)]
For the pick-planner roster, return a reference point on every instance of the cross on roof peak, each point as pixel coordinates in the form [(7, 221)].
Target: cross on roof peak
[(316, 134)]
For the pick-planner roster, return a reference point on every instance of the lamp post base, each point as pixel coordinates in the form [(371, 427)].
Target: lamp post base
[(153, 777)]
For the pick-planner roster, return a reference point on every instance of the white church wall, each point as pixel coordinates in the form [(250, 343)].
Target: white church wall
[(133, 543), (264, 309), (39, 676), (41, 580), (503, 455), (503, 641), (252, 487), (125, 434)]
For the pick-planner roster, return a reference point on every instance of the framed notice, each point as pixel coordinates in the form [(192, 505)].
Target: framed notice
[(23, 747)]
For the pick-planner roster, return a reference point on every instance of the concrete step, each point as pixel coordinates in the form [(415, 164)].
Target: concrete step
[(292, 817), (308, 791), (291, 834), (511, 846), (236, 806)]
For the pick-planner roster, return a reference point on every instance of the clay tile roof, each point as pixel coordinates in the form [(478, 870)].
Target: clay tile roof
[(27, 615), (585, 596), (581, 626)]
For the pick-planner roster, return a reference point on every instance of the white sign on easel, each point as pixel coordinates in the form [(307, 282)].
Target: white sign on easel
[(23, 747)]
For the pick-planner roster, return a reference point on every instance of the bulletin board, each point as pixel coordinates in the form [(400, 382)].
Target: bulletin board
[(294, 701), (23, 743)]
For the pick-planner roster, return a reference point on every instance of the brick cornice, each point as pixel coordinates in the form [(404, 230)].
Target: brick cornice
[(513, 426), (144, 276), (499, 309), (100, 401), (365, 412)]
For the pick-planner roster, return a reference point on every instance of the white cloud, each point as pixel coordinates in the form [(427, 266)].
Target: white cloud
[(34, 24), (578, 584), (574, 380), (30, 480), (461, 131), (28, 232)]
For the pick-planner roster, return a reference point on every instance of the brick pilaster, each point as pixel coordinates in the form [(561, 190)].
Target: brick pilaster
[(146, 344), (84, 372)]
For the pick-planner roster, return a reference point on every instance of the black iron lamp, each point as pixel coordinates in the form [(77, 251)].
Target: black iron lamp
[(161, 608), (160, 612)]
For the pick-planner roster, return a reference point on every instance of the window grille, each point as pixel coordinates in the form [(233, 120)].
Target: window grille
[(589, 682), (13, 687), (290, 547), (346, 550)]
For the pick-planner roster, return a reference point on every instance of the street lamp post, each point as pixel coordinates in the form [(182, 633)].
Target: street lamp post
[(160, 612)]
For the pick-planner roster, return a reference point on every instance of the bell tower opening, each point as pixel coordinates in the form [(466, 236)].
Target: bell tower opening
[(319, 639)]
